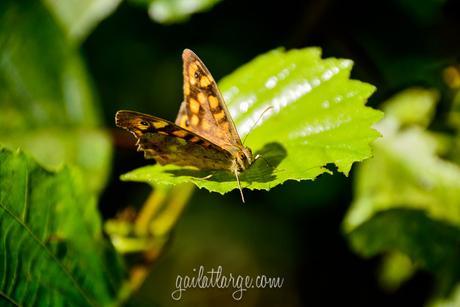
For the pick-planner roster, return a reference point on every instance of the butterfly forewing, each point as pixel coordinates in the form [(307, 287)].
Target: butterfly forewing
[(169, 143), (203, 110)]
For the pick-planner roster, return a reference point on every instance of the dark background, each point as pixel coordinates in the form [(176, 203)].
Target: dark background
[(293, 231)]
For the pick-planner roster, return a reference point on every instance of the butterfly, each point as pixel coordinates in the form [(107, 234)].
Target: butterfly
[(203, 135)]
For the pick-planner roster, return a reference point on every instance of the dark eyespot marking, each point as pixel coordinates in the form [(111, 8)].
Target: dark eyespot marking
[(196, 75), (145, 123)]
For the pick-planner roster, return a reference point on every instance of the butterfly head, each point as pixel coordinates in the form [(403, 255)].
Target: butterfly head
[(243, 158)]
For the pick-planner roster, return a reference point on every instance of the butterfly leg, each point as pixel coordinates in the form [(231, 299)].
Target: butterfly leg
[(206, 177), (239, 185)]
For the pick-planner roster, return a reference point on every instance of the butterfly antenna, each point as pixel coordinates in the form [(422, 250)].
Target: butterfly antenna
[(265, 160), (239, 185), (257, 121)]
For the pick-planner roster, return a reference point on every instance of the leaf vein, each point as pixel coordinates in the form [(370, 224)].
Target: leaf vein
[(53, 257), (8, 298)]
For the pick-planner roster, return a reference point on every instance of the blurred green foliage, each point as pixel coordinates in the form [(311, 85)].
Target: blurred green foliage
[(432, 245), (53, 249), (174, 11), (396, 268), (220, 230), (407, 197), (452, 301), (79, 17), (48, 105)]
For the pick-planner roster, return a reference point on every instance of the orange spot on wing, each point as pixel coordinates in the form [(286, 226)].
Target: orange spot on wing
[(183, 121), (225, 126), (191, 72), (195, 120), (187, 89), (180, 133), (220, 115), (204, 81), (159, 125), (201, 98), (194, 106), (214, 103)]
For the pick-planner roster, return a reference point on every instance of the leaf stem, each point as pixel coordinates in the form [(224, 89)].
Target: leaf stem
[(158, 224), (151, 207)]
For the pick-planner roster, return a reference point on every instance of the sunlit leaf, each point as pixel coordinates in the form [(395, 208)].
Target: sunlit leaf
[(53, 252), (318, 117)]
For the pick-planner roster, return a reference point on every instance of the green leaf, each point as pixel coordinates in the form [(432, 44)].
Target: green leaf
[(318, 117), (174, 11), (431, 244), (46, 97), (53, 251), (410, 174), (407, 198), (80, 17)]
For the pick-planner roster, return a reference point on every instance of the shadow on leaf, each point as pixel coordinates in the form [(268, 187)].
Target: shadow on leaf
[(262, 170)]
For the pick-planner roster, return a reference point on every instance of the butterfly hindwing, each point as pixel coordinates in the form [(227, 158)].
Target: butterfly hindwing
[(169, 143), (203, 110)]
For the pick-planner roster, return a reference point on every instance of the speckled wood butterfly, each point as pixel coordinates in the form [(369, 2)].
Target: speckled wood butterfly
[(203, 136)]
